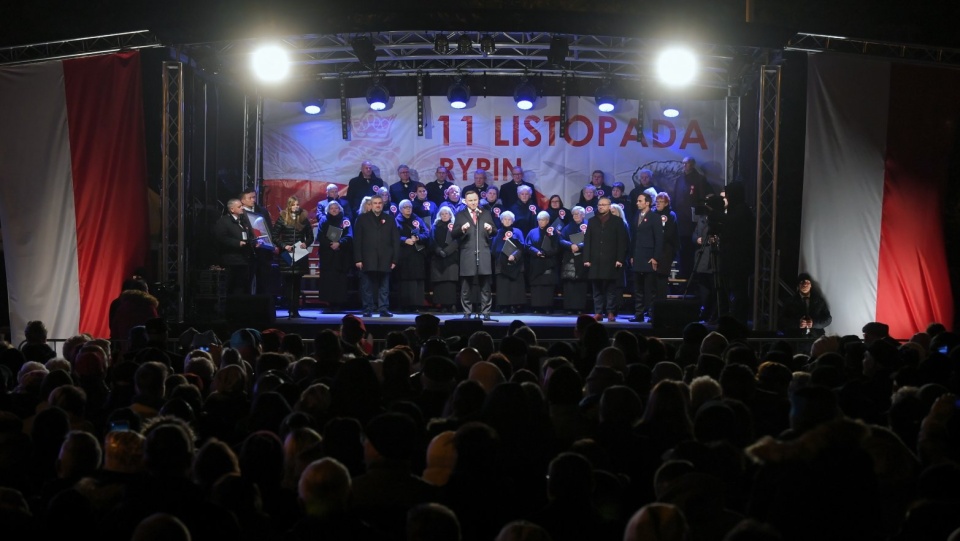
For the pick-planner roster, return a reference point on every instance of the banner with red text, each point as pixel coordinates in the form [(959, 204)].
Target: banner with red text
[(490, 134)]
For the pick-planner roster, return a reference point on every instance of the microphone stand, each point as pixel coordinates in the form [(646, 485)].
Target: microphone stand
[(476, 253)]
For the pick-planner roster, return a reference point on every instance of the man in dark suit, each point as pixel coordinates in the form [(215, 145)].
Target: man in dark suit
[(362, 185), (405, 188), (647, 247), (604, 253), (437, 189), (258, 218), (376, 242), (479, 185), (508, 191), (236, 241), (473, 228)]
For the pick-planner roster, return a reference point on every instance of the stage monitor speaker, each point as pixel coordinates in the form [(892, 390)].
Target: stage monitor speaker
[(461, 327), (674, 314), (254, 311)]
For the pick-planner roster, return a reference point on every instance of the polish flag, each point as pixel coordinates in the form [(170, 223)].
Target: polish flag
[(879, 141), (73, 194)]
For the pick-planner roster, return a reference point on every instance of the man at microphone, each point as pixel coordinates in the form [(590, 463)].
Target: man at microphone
[(473, 228)]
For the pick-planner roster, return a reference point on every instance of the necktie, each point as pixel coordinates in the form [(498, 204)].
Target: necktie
[(474, 214)]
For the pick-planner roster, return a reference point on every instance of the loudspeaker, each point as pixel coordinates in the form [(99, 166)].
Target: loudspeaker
[(254, 311), (673, 315)]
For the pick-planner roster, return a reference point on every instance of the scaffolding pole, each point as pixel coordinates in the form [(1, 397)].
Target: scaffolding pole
[(172, 185), (765, 276)]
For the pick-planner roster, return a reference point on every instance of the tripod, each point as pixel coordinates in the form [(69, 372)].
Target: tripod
[(712, 248)]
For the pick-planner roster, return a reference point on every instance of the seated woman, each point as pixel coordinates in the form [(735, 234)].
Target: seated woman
[(445, 264), (508, 267), (412, 262), (573, 275), (292, 230), (541, 247), (335, 248)]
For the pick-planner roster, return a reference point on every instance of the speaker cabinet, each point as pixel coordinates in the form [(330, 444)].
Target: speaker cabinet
[(254, 311), (672, 315)]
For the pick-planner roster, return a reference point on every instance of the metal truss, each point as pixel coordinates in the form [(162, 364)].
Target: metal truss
[(766, 273), (172, 264), (817, 43), (331, 56), (252, 140), (71, 48), (732, 139)]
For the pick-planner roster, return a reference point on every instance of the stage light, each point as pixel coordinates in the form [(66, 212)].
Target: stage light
[(464, 44), (441, 44), (458, 93), (486, 45), (312, 107), (364, 50), (677, 67), (378, 96), (271, 63), (606, 97), (525, 94), (670, 110), (559, 49)]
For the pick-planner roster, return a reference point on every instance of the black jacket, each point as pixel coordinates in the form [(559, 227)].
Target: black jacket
[(229, 232), (604, 244), (376, 241)]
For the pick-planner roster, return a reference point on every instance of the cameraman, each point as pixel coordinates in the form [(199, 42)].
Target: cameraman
[(706, 238)]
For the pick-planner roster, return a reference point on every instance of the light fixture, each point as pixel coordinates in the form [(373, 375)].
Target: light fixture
[(559, 48), (677, 67), (464, 44), (378, 96), (270, 63), (606, 96), (525, 94), (670, 109), (441, 44), (486, 45), (458, 93), (364, 50), (312, 106)]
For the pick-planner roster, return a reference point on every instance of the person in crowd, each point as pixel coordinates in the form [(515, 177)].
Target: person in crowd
[(644, 180), (376, 248), (236, 242), (473, 228), (737, 251), (524, 210), (265, 248), (292, 231), (422, 206), (366, 204), (509, 267), (806, 313), (445, 264), (335, 251), (671, 244), (618, 196), (333, 196), (437, 188), (617, 210), (412, 259), (491, 203), (388, 205), (647, 245), (557, 211), (451, 198), (542, 246), (135, 306), (572, 272), (588, 198), (479, 185), (509, 190), (598, 181), (690, 191), (405, 188), (367, 183), (706, 240), (605, 245)]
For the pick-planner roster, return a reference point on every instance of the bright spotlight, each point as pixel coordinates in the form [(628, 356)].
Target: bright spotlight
[(525, 95), (271, 63), (458, 93), (671, 111), (378, 96), (312, 107), (606, 97), (677, 67)]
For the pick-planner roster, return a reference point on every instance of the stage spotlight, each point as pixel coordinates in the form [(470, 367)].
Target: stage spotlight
[(378, 96), (671, 110), (606, 97), (486, 45), (464, 44), (364, 50), (458, 93), (271, 63), (312, 107), (559, 48), (441, 44), (525, 94), (677, 67)]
